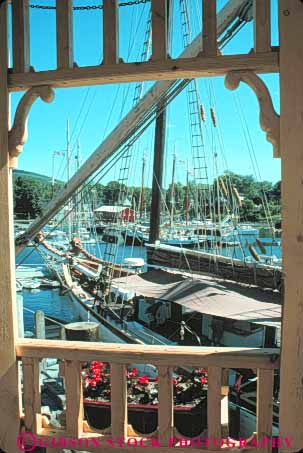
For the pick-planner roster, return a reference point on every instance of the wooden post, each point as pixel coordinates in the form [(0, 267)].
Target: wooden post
[(110, 32), (64, 23), (20, 316), (209, 28), (159, 29), (40, 325), (74, 398), (20, 36), (224, 404), (118, 400), (32, 394), (9, 385), (262, 31), (214, 404), (166, 405), (291, 139), (265, 405)]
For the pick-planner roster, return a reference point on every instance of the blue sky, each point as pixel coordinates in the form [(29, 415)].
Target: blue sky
[(93, 112)]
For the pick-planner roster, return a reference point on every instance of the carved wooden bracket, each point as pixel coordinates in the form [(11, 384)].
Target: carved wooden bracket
[(17, 136), (269, 119)]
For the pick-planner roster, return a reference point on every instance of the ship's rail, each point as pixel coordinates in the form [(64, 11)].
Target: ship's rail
[(73, 354)]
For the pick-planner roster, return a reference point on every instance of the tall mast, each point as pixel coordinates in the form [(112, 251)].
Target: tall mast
[(159, 149), (68, 157), (187, 194), (142, 188), (79, 207), (172, 190)]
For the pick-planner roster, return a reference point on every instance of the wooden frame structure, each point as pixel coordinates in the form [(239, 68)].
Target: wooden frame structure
[(288, 59)]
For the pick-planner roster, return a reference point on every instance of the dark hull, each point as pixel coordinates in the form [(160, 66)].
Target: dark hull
[(190, 421), (132, 240), (236, 270), (111, 238)]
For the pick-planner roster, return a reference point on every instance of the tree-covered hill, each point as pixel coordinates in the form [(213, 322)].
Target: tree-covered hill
[(33, 191)]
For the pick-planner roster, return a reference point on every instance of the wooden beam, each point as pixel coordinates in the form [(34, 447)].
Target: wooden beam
[(166, 405), (74, 398), (159, 30), (182, 68), (118, 401), (32, 395), (110, 32), (214, 403), (265, 406), (9, 383), (209, 27), (291, 138), (262, 30), (170, 355), (64, 25), (20, 35)]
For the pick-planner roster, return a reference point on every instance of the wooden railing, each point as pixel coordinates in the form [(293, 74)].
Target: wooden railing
[(73, 354), (204, 61)]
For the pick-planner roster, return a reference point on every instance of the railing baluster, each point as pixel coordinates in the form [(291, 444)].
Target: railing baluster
[(110, 32), (209, 28), (32, 394), (166, 405), (265, 404), (224, 404), (159, 29), (74, 398), (214, 403), (20, 21), (262, 32), (118, 400), (64, 24)]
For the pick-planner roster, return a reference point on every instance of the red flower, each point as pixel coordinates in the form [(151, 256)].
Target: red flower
[(133, 373), (203, 380), (174, 381), (143, 380)]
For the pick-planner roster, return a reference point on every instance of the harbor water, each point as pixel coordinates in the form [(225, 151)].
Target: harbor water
[(54, 303)]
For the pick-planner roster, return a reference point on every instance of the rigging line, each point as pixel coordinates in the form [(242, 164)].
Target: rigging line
[(80, 113), (93, 98), (68, 212), (176, 89), (250, 148), (130, 47), (258, 174), (148, 119)]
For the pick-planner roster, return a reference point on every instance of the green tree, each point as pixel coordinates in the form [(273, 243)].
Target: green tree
[(27, 198)]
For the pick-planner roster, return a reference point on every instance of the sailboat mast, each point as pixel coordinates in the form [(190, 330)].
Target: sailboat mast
[(187, 195), (68, 166), (159, 150), (79, 207), (142, 188), (172, 191)]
